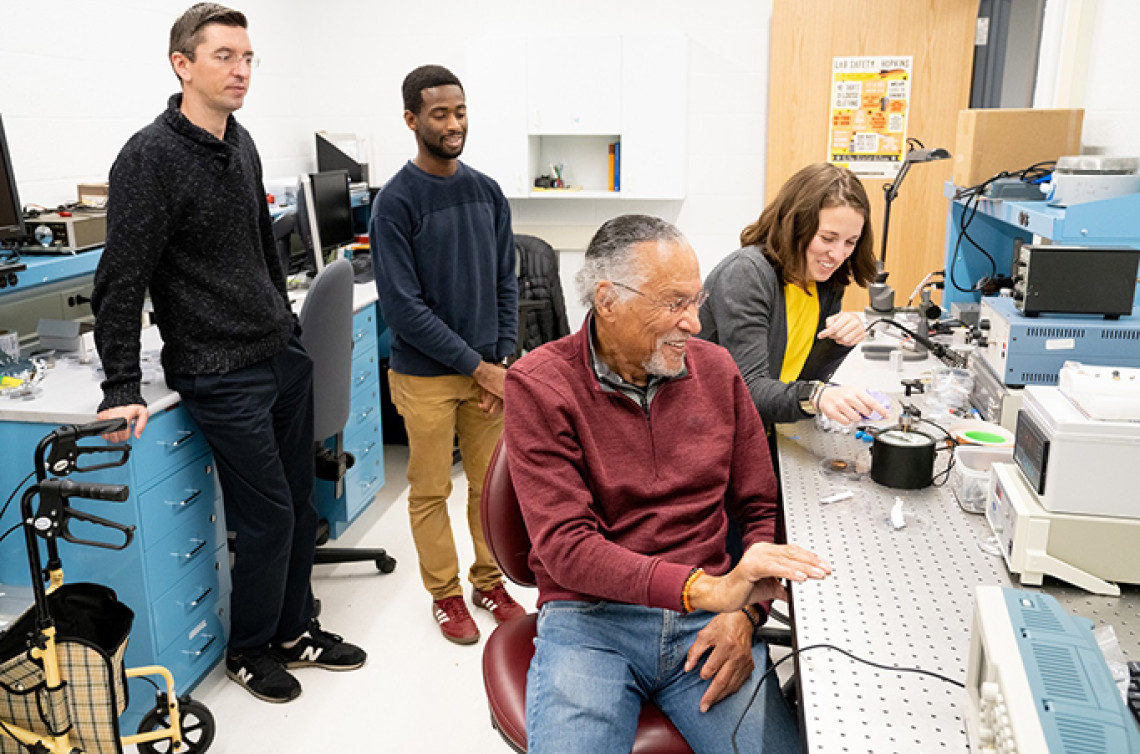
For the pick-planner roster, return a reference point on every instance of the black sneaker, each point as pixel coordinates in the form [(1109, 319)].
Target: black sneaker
[(318, 648), (262, 674)]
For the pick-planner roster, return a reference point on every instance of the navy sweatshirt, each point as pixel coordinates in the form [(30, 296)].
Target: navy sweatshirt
[(444, 260), (187, 218)]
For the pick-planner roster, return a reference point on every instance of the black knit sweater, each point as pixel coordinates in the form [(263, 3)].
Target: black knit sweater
[(187, 217)]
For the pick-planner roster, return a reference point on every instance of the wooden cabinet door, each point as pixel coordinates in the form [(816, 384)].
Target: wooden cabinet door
[(939, 35)]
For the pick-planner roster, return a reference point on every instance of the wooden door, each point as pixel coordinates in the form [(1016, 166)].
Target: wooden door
[(939, 35)]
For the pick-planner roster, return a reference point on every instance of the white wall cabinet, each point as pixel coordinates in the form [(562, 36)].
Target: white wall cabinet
[(573, 85), (495, 85), (563, 99)]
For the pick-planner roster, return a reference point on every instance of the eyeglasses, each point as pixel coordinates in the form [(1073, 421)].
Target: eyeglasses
[(227, 59), (676, 306)]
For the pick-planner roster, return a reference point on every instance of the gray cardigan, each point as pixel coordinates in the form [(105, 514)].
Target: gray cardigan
[(746, 313)]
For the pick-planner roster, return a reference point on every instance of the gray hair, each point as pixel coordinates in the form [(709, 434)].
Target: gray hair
[(610, 253)]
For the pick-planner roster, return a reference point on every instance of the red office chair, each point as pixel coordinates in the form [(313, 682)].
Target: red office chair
[(506, 658)]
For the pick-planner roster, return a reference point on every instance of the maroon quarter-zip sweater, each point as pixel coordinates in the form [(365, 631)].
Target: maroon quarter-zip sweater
[(621, 506)]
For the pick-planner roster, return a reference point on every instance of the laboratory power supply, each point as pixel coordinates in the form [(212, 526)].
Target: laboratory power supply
[(1023, 350), (53, 233), (1075, 280)]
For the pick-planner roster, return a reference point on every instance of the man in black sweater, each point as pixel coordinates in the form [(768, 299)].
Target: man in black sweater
[(187, 218)]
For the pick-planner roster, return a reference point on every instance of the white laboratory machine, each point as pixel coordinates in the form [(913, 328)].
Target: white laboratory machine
[(1075, 461), (1088, 551), (1069, 506)]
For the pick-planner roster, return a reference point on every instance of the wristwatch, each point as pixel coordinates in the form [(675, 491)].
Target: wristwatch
[(806, 394)]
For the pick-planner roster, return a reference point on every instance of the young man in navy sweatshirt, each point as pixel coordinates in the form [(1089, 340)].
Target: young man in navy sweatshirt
[(444, 260), (188, 220)]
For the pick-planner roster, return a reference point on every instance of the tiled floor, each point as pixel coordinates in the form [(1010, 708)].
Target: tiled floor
[(417, 693)]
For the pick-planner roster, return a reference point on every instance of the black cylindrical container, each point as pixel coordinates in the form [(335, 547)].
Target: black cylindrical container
[(903, 459)]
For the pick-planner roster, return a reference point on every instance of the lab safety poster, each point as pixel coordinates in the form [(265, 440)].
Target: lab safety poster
[(870, 99)]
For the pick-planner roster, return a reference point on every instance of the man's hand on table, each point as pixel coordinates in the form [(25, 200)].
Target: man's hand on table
[(756, 578)]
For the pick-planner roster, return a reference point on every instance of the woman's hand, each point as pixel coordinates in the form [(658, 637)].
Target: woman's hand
[(848, 405), (845, 328)]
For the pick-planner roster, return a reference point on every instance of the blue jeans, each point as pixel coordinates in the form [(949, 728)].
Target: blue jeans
[(595, 663)]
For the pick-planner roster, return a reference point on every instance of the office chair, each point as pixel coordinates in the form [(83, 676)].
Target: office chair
[(326, 333), (283, 227), (506, 658)]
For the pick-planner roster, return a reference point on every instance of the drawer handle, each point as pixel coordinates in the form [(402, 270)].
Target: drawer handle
[(367, 448), (186, 435), (183, 503), (359, 335), (202, 650), (202, 596), (188, 555), (363, 377), (365, 484), (366, 413)]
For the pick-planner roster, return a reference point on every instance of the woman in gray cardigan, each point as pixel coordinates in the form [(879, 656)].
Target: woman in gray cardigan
[(816, 235)]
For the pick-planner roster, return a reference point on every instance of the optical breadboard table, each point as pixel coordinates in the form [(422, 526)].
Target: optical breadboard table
[(897, 597)]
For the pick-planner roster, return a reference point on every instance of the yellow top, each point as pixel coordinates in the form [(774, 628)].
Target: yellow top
[(803, 317)]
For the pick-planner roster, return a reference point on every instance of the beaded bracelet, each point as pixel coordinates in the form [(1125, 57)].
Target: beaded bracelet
[(685, 604), (753, 619)]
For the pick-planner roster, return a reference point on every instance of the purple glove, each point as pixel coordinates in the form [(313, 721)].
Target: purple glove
[(881, 398)]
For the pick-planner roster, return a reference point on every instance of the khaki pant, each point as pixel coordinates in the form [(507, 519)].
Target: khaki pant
[(435, 409)]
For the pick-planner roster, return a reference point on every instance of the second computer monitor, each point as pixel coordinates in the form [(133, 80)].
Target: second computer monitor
[(11, 213), (324, 213)]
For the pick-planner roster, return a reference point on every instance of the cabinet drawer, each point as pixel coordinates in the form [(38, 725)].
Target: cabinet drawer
[(196, 649), (367, 474), (169, 560), (364, 329), (192, 598), (365, 371), (188, 493), (364, 410), (171, 438)]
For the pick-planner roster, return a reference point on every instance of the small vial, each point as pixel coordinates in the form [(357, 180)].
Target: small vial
[(896, 359)]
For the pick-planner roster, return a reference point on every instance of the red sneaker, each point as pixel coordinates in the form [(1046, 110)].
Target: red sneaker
[(498, 602), (454, 621)]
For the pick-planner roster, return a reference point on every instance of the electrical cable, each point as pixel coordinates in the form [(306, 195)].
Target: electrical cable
[(796, 652), (1035, 174), (11, 529), (946, 355), (945, 473), (922, 283), (16, 491)]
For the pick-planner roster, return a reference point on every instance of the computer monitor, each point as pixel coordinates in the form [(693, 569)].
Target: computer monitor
[(11, 211), (324, 214), (333, 154)]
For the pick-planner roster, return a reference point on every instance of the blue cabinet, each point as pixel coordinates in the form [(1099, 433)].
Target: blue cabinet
[(362, 434), (175, 574)]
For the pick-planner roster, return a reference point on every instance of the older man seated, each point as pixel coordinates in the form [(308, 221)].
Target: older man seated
[(631, 443)]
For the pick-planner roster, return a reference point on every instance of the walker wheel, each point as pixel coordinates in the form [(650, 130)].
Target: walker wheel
[(197, 729), (386, 564)]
